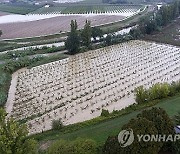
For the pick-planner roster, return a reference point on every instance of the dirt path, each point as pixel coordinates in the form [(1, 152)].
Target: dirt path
[(12, 90)]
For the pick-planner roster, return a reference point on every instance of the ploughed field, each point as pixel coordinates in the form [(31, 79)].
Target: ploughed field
[(79, 87)]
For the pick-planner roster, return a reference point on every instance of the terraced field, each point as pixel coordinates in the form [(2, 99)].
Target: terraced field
[(99, 9)]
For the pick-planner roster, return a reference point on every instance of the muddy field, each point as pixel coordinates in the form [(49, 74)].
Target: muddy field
[(79, 87), (51, 26)]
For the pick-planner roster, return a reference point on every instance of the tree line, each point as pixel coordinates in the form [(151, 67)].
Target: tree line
[(156, 20), (77, 39)]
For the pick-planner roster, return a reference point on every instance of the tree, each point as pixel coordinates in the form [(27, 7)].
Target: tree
[(139, 126), (160, 119), (159, 19), (1, 33), (162, 123), (96, 32), (175, 8), (164, 13), (13, 137), (86, 34), (73, 41)]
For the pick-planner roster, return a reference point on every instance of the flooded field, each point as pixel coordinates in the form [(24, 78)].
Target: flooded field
[(78, 88)]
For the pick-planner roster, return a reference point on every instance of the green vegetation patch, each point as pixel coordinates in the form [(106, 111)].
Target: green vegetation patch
[(5, 79), (18, 9)]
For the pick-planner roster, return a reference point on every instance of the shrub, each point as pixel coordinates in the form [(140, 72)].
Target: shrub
[(13, 137), (177, 119), (105, 113), (108, 40), (3, 98), (44, 47), (79, 146), (13, 65), (141, 95), (111, 146), (57, 124), (172, 89), (83, 49), (157, 91)]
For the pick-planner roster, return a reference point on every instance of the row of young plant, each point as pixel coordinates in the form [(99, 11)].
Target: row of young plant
[(13, 65), (5, 74), (157, 91)]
